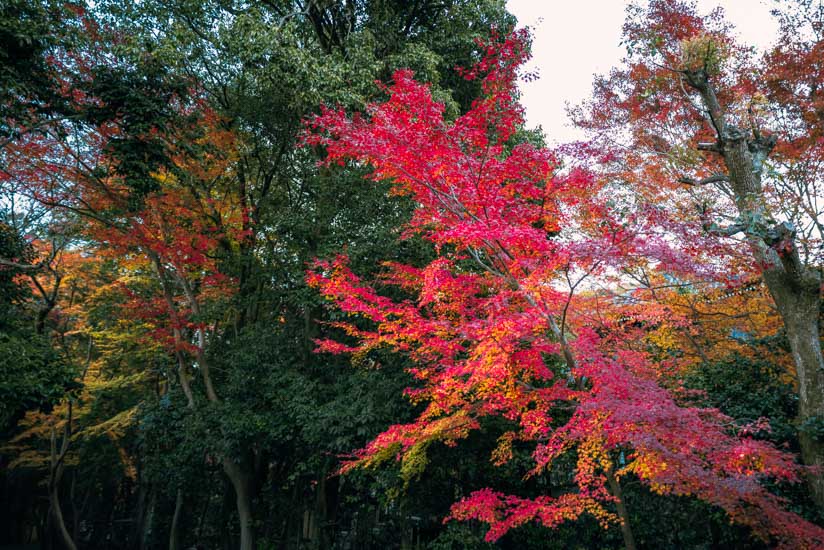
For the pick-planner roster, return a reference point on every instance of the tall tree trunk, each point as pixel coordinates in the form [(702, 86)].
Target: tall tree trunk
[(795, 287), (241, 476), (47, 531), (227, 504), (331, 488), (320, 533), (799, 307), (145, 527), (55, 475), (174, 531), (59, 523)]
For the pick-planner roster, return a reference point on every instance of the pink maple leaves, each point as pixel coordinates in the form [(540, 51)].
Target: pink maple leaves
[(495, 325)]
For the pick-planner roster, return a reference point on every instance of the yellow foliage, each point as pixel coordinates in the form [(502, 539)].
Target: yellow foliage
[(703, 52), (503, 451)]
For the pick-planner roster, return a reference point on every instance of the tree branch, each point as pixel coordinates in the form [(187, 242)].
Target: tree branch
[(23, 267), (711, 147), (716, 178)]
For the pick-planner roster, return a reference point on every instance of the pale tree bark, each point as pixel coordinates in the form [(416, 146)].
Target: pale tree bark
[(795, 287), (242, 479), (57, 465), (240, 473), (184, 377)]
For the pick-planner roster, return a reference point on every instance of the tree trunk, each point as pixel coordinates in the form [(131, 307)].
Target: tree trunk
[(331, 488), (59, 523), (241, 478), (57, 464), (146, 524), (321, 535), (226, 505), (174, 531), (47, 528), (795, 288), (626, 530), (799, 308)]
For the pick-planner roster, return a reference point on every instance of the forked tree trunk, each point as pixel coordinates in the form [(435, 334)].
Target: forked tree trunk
[(241, 474)]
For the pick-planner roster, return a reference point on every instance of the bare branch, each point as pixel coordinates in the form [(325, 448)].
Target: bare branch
[(712, 147), (716, 178), (23, 267), (727, 231)]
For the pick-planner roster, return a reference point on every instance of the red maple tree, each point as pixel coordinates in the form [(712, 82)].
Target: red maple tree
[(498, 323)]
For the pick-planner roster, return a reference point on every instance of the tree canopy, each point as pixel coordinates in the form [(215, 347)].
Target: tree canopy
[(298, 275)]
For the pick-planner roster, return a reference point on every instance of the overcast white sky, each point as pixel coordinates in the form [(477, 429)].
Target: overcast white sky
[(578, 38)]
